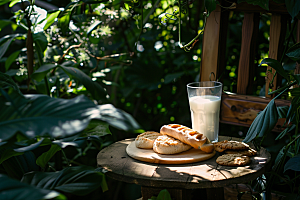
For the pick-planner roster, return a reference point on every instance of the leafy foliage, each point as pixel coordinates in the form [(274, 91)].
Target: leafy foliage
[(125, 63), (263, 123), (18, 190)]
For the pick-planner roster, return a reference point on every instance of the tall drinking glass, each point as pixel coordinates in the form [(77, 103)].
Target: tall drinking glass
[(205, 100)]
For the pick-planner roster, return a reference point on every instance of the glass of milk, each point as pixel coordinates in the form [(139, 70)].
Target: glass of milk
[(205, 100)]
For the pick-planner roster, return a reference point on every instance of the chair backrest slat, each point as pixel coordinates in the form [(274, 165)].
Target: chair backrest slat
[(241, 108), (210, 49), (277, 36), (248, 49)]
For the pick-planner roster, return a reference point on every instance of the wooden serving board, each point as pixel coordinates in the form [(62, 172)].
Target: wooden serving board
[(148, 155)]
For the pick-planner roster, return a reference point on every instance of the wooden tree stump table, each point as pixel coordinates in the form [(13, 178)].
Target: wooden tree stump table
[(178, 179)]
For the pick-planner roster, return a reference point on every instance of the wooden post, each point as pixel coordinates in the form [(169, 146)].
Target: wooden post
[(277, 36), (248, 49), (210, 49)]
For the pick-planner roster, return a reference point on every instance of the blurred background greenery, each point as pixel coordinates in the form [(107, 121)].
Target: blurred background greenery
[(124, 47)]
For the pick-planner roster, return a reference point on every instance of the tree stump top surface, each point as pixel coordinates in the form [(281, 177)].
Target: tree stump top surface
[(203, 174)]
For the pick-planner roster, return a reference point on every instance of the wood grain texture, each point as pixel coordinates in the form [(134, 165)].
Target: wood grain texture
[(148, 155), (242, 109), (210, 49), (248, 48), (204, 174), (277, 36)]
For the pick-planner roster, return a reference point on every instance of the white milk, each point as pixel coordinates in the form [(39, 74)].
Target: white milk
[(205, 112)]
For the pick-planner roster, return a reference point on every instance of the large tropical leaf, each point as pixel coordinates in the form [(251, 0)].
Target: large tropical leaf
[(263, 123), (57, 118), (13, 189), (93, 87), (79, 180)]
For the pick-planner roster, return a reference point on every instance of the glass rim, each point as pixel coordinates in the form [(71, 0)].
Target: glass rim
[(216, 86)]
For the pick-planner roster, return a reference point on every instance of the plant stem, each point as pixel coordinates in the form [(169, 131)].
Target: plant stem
[(192, 42)]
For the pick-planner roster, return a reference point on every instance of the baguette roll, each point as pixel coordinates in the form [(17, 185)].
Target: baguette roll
[(187, 136)]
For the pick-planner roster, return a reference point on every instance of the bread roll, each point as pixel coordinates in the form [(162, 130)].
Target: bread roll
[(168, 145), (146, 139), (188, 136)]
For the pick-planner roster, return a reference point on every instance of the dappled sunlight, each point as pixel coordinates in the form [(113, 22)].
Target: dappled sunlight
[(203, 174)]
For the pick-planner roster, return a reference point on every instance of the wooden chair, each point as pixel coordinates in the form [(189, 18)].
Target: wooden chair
[(241, 108)]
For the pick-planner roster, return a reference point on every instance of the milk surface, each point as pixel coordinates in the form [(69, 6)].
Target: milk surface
[(205, 112)]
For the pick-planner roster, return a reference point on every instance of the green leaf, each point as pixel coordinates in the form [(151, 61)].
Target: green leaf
[(295, 92), (50, 19), (282, 111), (97, 127), (63, 22), (40, 41), (297, 78), (29, 147), (279, 156), (79, 180), (5, 46), (41, 115), (293, 109), (5, 22), (288, 64), (263, 123), (93, 87), (43, 159), (41, 72), (262, 3), (13, 189), (11, 59), (275, 65), (294, 52), (117, 118), (292, 164), (2, 2), (164, 195), (285, 131), (8, 153), (13, 2), (293, 7), (7, 81)]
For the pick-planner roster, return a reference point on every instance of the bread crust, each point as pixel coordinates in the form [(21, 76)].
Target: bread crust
[(168, 145), (146, 139), (187, 136)]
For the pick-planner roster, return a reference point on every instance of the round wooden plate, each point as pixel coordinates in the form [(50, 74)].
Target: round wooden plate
[(148, 155)]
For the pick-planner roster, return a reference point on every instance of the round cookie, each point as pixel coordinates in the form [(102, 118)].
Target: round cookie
[(249, 152), (146, 139), (232, 145), (169, 145), (233, 160)]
